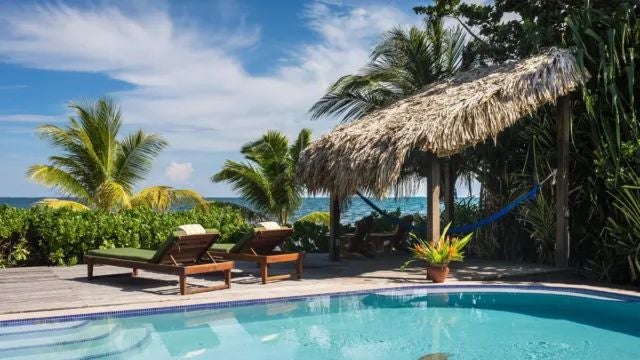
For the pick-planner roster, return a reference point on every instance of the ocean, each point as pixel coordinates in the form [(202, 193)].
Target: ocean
[(356, 210)]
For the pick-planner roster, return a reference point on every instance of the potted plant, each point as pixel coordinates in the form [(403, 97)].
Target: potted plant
[(438, 255)]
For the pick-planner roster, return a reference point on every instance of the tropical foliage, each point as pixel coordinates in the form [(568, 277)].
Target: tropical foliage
[(46, 236), (99, 169), (445, 250), (317, 217), (267, 179), (604, 148), (401, 64)]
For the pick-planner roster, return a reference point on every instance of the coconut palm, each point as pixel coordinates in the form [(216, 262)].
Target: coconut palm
[(404, 62), (96, 167), (267, 180)]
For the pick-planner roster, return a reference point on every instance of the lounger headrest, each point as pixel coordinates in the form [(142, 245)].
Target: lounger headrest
[(192, 229), (269, 225)]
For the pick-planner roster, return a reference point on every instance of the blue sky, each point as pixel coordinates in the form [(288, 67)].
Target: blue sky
[(207, 75)]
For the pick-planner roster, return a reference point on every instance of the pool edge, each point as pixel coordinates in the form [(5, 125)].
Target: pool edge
[(138, 309)]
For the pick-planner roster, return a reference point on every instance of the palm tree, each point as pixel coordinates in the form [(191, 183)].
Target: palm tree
[(403, 63), (96, 167), (267, 180)]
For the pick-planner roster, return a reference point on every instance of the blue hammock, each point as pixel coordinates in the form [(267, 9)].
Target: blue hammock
[(530, 195)]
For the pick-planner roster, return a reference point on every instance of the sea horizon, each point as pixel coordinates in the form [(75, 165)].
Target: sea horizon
[(356, 209)]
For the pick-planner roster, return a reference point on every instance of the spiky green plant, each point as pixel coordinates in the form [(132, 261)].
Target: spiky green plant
[(267, 179), (445, 250)]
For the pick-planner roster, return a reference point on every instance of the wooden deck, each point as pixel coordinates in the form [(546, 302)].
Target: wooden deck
[(24, 291)]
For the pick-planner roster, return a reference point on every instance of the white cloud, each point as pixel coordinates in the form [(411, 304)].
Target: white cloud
[(178, 172), (188, 82), (183, 77)]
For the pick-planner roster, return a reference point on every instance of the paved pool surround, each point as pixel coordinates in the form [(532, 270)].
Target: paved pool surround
[(36, 292)]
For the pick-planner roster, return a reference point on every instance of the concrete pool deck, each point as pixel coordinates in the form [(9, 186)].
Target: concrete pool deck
[(53, 291)]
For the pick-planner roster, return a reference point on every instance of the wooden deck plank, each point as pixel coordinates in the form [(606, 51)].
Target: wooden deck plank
[(51, 288)]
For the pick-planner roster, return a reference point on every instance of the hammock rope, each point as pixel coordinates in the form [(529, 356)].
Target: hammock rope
[(529, 195)]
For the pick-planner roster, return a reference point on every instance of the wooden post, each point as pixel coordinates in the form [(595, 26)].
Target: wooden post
[(449, 191), (433, 201), (334, 228), (563, 124)]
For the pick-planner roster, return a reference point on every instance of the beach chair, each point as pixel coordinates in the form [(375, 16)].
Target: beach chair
[(397, 238), (180, 255), (258, 246), (355, 243)]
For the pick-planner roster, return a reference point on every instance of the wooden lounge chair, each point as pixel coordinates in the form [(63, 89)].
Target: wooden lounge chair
[(258, 247), (387, 241), (180, 255), (356, 243)]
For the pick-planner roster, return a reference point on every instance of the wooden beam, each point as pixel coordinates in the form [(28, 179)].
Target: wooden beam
[(433, 200), (563, 125), (334, 228), (449, 190)]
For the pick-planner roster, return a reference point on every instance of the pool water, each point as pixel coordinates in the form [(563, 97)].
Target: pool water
[(402, 324)]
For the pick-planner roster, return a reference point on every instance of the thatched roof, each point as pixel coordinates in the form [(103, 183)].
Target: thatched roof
[(368, 154)]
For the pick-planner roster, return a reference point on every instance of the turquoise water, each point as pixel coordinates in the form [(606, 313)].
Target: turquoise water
[(356, 210), (389, 325)]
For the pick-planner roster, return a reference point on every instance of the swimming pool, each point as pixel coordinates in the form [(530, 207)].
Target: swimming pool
[(526, 322)]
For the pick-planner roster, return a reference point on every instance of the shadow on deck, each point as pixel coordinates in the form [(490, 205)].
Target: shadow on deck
[(54, 288)]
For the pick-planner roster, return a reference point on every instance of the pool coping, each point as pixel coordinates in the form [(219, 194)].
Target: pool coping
[(140, 309)]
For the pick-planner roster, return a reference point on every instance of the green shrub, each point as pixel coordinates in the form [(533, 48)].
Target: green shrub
[(317, 217), (44, 236), (308, 237), (13, 245)]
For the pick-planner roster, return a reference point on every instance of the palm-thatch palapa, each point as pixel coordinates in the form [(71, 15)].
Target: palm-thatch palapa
[(369, 153)]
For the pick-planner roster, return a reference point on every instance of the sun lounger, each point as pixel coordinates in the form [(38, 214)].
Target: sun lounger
[(258, 246), (355, 243), (180, 255), (394, 239)]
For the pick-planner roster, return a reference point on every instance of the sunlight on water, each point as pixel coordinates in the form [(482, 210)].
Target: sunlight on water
[(390, 325)]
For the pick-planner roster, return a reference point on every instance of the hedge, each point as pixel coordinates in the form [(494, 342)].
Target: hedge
[(44, 236)]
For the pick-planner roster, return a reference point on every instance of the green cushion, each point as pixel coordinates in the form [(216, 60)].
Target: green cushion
[(152, 256), (222, 247), (239, 245), (125, 254)]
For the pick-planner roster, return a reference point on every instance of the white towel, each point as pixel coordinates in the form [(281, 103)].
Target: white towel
[(192, 229), (269, 225)]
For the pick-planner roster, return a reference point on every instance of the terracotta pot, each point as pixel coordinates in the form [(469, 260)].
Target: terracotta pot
[(437, 273)]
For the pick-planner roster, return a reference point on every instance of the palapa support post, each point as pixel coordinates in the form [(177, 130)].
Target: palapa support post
[(449, 191), (334, 228), (433, 200), (563, 124)]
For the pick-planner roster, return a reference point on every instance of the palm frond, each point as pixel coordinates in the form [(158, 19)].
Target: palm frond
[(162, 198), (62, 204), (249, 182), (302, 141), (401, 64), (112, 195), (135, 156), (56, 178)]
